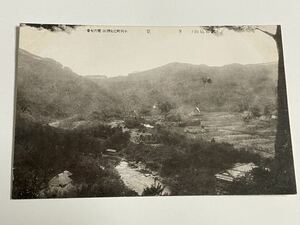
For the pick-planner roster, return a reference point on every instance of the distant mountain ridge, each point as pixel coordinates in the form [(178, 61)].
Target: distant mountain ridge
[(176, 67), (233, 87), (46, 90), (96, 76)]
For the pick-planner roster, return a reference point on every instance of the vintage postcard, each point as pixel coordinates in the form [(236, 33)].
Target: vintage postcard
[(110, 111)]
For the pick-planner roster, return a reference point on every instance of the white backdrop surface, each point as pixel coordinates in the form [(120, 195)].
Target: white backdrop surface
[(149, 210)]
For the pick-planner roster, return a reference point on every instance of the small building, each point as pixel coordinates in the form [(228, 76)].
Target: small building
[(226, 177), (147, 125)]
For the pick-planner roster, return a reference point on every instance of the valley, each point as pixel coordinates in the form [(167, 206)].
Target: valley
[(164, 131), (257, 135)]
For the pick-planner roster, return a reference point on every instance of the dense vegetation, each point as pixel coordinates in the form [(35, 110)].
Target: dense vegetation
[(42, 151), (47, 89), (231, 88), (188, 166)]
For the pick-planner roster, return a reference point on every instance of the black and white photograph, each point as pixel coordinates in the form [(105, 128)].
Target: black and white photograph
[(126, 111)]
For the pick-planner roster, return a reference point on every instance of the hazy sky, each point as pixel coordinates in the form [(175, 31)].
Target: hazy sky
[(114, 54)]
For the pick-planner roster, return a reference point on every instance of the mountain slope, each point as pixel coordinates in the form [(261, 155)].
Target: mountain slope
[(232, 87), (47, 90)]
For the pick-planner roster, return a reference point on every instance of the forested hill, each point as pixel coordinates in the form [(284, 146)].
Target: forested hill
[(233, 87), (47, 90)]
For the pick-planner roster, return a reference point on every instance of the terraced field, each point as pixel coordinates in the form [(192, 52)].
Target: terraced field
[(256, 135)]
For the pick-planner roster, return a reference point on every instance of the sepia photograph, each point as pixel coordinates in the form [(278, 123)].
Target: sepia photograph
[(124, 111)]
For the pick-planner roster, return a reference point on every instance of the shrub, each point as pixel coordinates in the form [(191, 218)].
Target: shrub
[(154, 190), (175, 117), (118, 140), (255, 111), (165, 106), (133, 122)]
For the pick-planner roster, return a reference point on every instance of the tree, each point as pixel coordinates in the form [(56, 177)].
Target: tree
[(284, 164), (53, 27), (206, 80), (165, 107)]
